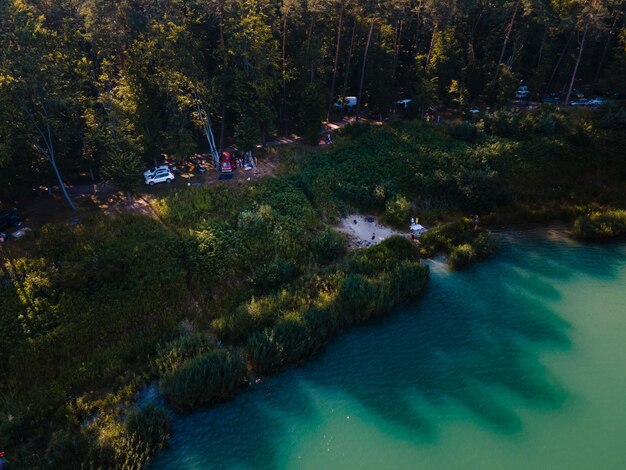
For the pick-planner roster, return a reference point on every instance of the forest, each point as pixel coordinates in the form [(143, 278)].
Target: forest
[(91, 88), (224, 283)]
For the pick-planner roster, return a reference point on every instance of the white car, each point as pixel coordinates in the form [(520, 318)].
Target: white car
[(404, 104), (597, 102), (581, 102), (522, 94), (160, 176), (348, 102), (152, 171)]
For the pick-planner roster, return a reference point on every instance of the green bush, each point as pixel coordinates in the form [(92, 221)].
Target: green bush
[(445, 237), (213, 376), (263, 352), (271, 276), (328, 246), (175, 353), (147, 430), (397, 212), (465, 131), (383, 256), (68, 450), (461, 255), (598, 225), (461, 240)]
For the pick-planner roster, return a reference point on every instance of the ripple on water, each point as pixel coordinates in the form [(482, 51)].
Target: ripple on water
[(480, 373)]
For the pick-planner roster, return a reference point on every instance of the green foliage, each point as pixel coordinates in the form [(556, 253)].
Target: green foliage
[(263, 352), (461, 240), (599, 225), (272, 275), (212, 376), (123, 170), (398, 211), (311, 112), (175, 353), (465, 131), (247, 133), (328, 246), (148, 430)]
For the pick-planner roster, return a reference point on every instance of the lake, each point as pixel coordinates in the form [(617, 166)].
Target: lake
[(516, 362)]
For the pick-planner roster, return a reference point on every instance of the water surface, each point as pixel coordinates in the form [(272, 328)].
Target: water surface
[(517, 362)]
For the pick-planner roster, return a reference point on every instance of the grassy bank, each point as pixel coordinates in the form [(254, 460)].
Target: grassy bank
[(232, 281)]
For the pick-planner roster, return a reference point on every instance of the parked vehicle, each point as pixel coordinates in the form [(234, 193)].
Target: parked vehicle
[(226, 164), (581, 102), (522, 93), (161, 176), (597, 102), (404, 104), (348, 102), (551, 99), (10, 219), (152, 171)]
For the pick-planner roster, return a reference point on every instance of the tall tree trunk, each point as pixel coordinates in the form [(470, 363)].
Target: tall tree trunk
[(507, 36), (580, 54), (308, 44), (606, 49), (418, 24), (285, 120), (346, 77), (432, 44), (48, 153), (367, 48), (543, 45), (224, 91), (337, 50), (396, 53), (558, 63)]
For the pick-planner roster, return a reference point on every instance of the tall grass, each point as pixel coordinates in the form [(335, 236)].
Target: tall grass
[(212, 376)]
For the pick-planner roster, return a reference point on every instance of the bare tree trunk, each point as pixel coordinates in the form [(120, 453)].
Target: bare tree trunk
[(432, 44), (580, 54), (347, 72), (48, 153), (308, 44), (337, 50), (367, 47), (606, 49), (558, 63), (284, 95), (543, 45), (506, 40), (418, 24), (396, 53), (224, 92)]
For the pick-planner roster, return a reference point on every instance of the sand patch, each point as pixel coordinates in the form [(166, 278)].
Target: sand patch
[(366, 230)]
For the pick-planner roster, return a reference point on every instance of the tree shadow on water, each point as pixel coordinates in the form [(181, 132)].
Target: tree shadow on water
[(474, 341)]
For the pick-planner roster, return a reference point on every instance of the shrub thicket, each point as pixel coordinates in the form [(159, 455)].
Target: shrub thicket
[(600, 224), (462, 241), (212, 376)]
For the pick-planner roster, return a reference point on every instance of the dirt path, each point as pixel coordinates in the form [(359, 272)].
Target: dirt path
[(48, 205)]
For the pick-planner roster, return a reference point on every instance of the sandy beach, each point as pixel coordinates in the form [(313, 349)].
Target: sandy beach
[(366, 231)]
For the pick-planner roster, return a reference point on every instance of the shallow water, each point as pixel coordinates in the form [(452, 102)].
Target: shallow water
[(517, 362)]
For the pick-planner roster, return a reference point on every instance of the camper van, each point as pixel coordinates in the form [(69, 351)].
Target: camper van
[(348, 103)]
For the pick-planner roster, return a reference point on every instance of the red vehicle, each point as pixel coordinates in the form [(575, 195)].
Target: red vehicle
[(226, 164)]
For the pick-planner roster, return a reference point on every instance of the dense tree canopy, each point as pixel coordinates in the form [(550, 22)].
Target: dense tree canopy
[(84, 80)]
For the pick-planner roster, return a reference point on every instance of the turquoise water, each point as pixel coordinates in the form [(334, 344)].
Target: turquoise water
[(517, 362)]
